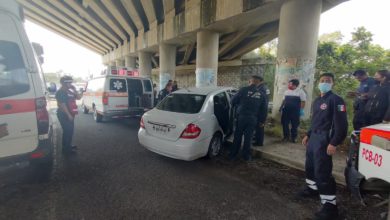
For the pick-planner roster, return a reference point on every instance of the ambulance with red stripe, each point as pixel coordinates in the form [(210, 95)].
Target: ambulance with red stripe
[(25, 124), (118, 93), (368, 163)]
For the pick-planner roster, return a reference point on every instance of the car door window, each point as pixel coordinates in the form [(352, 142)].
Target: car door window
[(118, 85)]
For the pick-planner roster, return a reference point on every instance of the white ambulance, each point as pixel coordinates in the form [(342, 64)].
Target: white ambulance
[(25, 124), (118, 93), (368, 163)]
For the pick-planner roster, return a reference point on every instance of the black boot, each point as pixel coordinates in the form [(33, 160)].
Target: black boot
[(307, 193), (327, 212)]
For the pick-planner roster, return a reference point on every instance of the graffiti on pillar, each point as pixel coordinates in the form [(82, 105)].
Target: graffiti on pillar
[(164, 78), (293, 68), (205, 77)]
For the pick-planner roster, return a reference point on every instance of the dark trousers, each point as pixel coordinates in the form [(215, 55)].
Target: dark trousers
[(319, 167), (245, 126), (290, 117), (259, 135), (67, 130)]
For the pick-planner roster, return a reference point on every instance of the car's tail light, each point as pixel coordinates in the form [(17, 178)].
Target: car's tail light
[(141, 123), (192, 131), (42, 115), (105, 98)]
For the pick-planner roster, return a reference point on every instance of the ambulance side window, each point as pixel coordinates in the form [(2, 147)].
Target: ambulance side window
[(13, 76), (147, 86), (118, 85)]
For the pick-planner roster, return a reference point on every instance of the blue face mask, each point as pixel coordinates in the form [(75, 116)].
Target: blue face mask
[(325, 87)]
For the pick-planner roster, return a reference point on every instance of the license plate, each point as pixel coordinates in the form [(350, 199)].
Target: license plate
[(161, 129)]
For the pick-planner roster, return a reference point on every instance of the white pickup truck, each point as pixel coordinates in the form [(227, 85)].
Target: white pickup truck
[(368, 163)]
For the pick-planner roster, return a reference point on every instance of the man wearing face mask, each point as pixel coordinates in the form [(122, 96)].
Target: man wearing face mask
[(377, 109), (67, 110), (329, 127), (292, 108)]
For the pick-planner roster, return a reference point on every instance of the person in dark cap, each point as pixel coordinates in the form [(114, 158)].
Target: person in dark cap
[(251, 103), (361, 95), (67, 110)]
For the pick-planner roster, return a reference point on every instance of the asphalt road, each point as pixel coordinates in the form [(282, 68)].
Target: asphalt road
[(114, 177)]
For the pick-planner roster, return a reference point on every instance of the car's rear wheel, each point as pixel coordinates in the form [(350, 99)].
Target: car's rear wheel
[(96, 116), (215, 146), (85, 109)]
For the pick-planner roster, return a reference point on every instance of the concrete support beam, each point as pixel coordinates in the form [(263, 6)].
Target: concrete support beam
[(94, 5), (120, 63), (149, 10), (145, 64), (60, 5), (188, 53), (130, 62), (84, 14), (118, 16), (297, 49), (68, 35), (132, 11), (167, 63), (206, 58)]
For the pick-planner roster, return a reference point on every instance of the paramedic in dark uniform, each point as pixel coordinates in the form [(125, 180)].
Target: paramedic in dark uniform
[(259, 130), (361, 96), (252, 112), (67, 110), (292, 108), (328, 129)]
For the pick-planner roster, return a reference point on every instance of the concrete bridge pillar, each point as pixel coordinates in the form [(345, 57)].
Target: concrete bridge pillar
[(206, 58), (297, 48), (167, 63), (130, 62), (145, 64), (119, 62)]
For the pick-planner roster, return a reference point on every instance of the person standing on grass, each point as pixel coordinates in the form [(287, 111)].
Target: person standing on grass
[(329, 127), (292, 108)]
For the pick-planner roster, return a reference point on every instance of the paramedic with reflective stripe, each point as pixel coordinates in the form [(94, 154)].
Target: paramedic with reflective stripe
[(329, 128), (292, 109), (67, 109)]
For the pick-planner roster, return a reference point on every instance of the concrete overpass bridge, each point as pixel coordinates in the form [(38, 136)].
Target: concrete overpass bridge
[(166, 35)]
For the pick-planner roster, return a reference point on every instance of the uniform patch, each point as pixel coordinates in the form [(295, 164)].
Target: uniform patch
[(3, 130), (341, 108), (324, 106)]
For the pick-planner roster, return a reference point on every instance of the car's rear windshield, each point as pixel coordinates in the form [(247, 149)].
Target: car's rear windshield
[(13, 75), (182, 103)]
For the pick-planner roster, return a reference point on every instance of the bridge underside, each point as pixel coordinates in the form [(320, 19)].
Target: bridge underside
[(116, 29)]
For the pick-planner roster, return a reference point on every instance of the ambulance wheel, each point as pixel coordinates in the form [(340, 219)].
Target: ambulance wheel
[(85, 109), (215, 146), (96, 116)]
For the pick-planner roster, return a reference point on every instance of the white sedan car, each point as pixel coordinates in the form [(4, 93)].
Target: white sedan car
[(189, 123)]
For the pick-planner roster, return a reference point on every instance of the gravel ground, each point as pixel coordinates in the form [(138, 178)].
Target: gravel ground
[(113, 177)]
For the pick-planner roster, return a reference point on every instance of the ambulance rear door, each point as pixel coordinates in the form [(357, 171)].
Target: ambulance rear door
[(117, 94)]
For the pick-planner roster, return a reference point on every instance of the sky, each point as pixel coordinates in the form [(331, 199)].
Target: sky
[(64, 55)]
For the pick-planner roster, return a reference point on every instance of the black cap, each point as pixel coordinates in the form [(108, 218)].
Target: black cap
[(359, 72), (257, 77), (66, 79)]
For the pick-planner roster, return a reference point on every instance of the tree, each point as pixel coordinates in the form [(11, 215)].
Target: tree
[(335, 37)]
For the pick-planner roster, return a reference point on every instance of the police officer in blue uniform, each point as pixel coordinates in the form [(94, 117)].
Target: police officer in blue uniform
[(328, 129), (252, 112), (259, 130), (361, 97)]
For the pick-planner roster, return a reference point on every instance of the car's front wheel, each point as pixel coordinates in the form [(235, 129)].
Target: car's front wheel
[(215, 146)]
